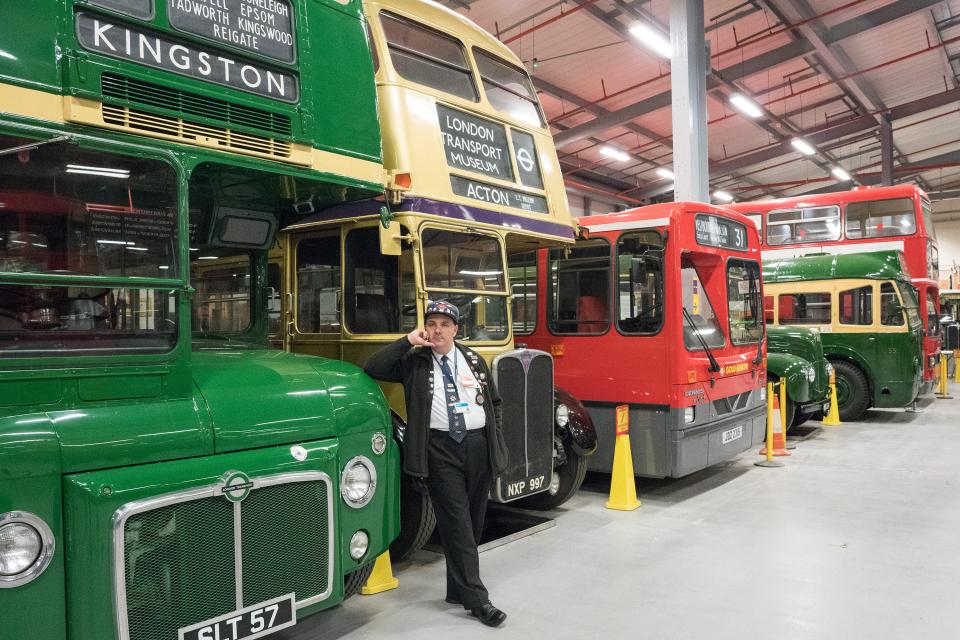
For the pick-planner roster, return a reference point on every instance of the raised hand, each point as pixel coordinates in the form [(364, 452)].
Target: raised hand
[(419, 338)]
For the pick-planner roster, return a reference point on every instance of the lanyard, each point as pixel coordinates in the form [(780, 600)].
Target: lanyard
[(456, 365)]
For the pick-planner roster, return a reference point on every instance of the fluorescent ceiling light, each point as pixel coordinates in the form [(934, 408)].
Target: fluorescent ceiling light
[(208, 258), (840, 173), (136, 249), (663, 172), (480, 273), (652, 39), (723, 195), (120, 242), (617, 154), (803, 146), (164, 267), (98, 171), (746, 105)]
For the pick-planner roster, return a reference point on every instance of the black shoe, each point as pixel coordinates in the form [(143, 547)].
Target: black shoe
[(488, 615)]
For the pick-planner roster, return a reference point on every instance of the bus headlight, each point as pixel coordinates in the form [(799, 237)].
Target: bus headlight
[(562, 415), (358, 482), (359, 544), (26, 548), (811, 374), (689, 415)]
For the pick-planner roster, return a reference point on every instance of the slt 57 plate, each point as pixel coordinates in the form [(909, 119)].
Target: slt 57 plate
[(251, 622), (732, 434)]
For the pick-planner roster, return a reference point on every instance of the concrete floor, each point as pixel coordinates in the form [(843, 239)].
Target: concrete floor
[(855, 538)]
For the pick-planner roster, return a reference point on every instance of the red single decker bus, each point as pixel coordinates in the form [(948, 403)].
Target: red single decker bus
[(659, 308), (864, 219)]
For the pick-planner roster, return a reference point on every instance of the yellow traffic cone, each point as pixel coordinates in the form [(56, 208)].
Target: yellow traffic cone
[(775, 429), (381, 578), (623, 487), (832, 419), (942, 393)]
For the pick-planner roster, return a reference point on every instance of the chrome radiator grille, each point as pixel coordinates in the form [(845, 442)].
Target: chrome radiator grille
[(183, 558)]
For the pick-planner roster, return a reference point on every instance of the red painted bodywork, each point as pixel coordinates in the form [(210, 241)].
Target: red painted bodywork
[(654, 369), (915, 245)]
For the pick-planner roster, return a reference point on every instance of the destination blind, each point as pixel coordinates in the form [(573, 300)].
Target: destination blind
[(475, 144), (264, 27), (497, 195), (714, 231), (114, 39)]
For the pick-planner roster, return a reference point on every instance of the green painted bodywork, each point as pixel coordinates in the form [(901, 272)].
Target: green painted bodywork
[(871, 265), (81, 435), (890, 360), (791, 352), (337, 107)]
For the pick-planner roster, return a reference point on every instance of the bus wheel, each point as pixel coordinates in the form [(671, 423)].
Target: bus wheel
[(356, 579), (799, 417), (852, 390), (564, 482), (417, 519)]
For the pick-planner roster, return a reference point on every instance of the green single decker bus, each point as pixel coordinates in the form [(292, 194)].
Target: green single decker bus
[(867, 313), (164, 473)]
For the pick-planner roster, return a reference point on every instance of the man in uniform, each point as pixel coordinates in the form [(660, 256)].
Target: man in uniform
[(452, 440)]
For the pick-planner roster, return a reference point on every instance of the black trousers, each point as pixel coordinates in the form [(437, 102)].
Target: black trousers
[(459, 483)]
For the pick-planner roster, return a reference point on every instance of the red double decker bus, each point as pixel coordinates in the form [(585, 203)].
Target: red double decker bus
[(864, 219), (659, 308)]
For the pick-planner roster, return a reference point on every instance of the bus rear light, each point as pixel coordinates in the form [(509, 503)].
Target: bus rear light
[(556, 350), (691, 376), (689, 415)]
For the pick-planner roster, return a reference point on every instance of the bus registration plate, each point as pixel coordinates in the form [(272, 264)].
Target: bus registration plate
[(732, 434), (248, 623)]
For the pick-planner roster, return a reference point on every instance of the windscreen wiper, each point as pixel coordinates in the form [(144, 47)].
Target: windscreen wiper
[(714, 366)]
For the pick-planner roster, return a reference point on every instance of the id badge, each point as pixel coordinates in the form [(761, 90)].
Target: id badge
[(468, 381), (461, 407)]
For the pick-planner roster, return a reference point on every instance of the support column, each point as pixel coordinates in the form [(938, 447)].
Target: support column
[(688, 82), (886, 150)]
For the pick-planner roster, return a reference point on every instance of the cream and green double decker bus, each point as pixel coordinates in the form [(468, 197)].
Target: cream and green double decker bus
[(867, 314), (164, 473), (473, 177)]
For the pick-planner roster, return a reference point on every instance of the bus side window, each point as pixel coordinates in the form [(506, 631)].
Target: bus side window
[(523, 291), (318, 285), (804, 308), (640, 282), (579, 288), (891, 313), (768, 309), (856, 306), (372, 286)]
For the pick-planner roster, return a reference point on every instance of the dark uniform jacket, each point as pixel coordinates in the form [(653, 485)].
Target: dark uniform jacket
[(413, 366)]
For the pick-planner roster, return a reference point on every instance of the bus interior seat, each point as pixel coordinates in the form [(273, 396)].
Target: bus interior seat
[(373, 314), (591, 314)]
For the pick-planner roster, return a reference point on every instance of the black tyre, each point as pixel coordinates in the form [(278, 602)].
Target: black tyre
[(565, 482), (356, 579), (853, 392), (799, 417), (417, 519)]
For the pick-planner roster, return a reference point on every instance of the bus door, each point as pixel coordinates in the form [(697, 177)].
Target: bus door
[(314, 283)]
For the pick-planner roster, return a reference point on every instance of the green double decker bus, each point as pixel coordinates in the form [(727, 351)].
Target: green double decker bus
[(164, 473), (867, 314)]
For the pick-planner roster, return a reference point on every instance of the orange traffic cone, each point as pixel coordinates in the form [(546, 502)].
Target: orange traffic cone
[(779, 439)]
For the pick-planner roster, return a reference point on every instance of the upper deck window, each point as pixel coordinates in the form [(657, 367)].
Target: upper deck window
[(810, 224), (928, 218), (428, 57), (881, 218), (509, 89)]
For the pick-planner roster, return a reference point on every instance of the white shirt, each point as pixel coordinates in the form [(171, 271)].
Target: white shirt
[(467, 387)]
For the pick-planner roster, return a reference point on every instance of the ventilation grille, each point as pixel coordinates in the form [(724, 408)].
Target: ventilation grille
[(188, 104), (220, 133), (736, 402)]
